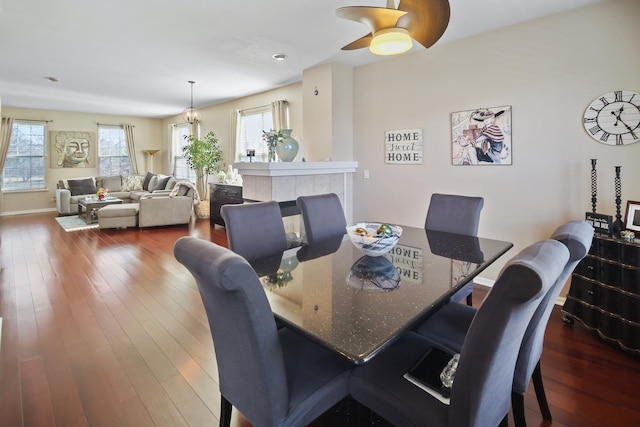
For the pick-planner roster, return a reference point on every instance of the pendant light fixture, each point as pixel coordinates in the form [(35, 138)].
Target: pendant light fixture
[(191, 115)]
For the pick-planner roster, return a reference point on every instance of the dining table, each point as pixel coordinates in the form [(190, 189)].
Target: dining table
[(357, 305)]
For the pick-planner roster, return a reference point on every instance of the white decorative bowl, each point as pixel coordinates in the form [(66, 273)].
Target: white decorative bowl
[(371, 243)]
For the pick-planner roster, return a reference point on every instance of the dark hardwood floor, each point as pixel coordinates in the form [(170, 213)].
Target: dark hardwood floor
[(106, 328)]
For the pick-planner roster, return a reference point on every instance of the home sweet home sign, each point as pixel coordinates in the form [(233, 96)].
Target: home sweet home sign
[(403, 147)]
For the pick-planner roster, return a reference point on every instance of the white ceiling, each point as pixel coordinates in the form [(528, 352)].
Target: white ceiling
[(134, 57)]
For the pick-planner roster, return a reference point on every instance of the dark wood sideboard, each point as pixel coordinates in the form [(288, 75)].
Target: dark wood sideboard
[(222, 194), (605, 292)]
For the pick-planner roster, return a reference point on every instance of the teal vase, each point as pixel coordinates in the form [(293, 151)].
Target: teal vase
[(287, 149)]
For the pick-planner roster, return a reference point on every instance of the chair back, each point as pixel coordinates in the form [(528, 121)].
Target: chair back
[(577, 237), (254, 230), (454, 214), (251, 368), (481, 393), (323, 216)]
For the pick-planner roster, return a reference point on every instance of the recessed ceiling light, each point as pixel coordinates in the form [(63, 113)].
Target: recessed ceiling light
[(52, 79), (279, 56)]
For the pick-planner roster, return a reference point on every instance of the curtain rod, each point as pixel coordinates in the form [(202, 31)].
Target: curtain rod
[(106, 124), (260, 107), (33, 120)]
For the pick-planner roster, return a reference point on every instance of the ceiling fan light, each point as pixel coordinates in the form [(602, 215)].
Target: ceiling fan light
[(390, 41)]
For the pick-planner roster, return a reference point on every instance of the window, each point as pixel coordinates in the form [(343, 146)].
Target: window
[(24, 166), (181, 169), (251, 123), (113, 154)]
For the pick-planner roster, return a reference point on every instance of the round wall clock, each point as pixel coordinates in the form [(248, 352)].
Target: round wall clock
[(614, 118)]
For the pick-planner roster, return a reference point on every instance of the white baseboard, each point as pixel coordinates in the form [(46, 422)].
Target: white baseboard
[(30, 211), (488, 283)]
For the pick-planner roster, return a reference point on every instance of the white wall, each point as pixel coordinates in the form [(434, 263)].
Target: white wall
[(548, 70)]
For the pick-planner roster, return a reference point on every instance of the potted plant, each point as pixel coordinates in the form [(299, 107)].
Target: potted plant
[(203, 156)]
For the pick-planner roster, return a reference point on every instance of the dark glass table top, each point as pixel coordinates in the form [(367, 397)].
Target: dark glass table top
[(357, 305)]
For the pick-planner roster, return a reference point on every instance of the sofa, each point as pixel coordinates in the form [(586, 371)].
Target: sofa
[(147, 201), (152, 210), (127, 188), (161, 209)]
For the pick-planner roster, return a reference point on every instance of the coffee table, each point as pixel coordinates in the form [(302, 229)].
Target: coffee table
[(93, 204)]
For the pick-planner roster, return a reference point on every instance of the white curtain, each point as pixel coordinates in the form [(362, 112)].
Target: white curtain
[(171, 152), (6, 127), (280, 113), (235, 133), (128, 136)]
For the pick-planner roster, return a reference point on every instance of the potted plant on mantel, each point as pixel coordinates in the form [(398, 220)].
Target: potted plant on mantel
[(203, 156)]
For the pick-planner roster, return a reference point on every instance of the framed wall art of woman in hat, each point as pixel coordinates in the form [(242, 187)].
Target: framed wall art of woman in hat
[(482, 136)]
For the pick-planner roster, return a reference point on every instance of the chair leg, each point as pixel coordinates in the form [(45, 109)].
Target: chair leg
[(517, 406), (225, 412), (540, 394), (470, 300)]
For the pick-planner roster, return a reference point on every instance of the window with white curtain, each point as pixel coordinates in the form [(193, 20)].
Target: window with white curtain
[(113, 152), (24, 167), (181, 169), (251, 123)]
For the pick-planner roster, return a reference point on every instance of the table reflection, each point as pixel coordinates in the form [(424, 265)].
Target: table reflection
[(373, 274)]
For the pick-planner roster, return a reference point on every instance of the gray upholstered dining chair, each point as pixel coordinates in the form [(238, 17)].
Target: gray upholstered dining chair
[(457, 214), (449, 325), (481, 390), (577, 236), (273, 377), (254, 230), (322, 216)]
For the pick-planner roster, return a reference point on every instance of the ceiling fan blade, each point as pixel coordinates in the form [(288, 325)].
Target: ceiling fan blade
[(376, 18), (426, 20), (362, 42)]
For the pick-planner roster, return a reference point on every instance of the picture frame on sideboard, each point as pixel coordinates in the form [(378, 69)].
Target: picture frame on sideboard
[(632, 216)]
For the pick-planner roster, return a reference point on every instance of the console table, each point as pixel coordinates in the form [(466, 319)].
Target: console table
[(222, 194), (605, 292)]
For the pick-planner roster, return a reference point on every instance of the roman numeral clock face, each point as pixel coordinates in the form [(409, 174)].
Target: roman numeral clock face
[(614, 118)]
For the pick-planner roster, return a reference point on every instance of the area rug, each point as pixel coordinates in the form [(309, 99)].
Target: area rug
[(73, 223)]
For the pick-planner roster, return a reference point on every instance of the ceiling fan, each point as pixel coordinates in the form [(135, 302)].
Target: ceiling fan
[(391, 29)]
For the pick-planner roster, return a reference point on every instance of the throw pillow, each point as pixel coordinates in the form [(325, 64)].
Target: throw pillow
[(132, 182), (111, 183), (158, 182), (64, 183), (170, 183), (183, 190), (79, 187), (147, 178), (162, 183), (153, 183)]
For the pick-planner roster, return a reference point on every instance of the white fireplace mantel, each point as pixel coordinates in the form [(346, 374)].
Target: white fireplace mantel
[(286, 181), (294, 168)]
